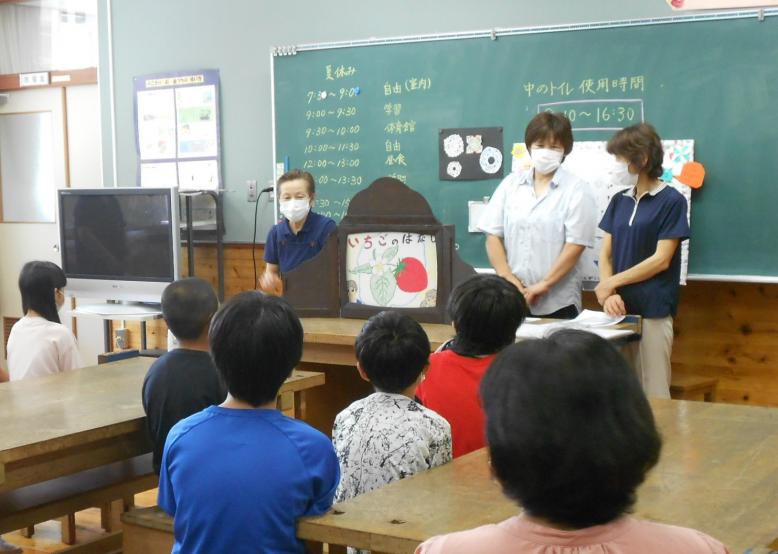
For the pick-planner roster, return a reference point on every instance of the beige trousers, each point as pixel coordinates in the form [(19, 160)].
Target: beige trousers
[(651, 356)]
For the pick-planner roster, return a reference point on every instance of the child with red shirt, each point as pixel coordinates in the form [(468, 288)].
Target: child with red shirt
[(486, 311)]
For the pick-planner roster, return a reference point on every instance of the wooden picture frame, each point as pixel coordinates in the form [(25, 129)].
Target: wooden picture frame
[(444, 245)]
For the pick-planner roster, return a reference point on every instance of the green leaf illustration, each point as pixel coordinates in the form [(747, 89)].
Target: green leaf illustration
[(383, 287), (391, 252), (364, 268)]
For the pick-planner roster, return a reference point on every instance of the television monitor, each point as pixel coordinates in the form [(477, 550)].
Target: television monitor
[(119, 243)]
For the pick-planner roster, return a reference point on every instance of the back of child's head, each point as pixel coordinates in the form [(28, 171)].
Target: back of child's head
[(570, 432), (486, 311), (256, 341), (188, 306), (393, 350), (38, 283)]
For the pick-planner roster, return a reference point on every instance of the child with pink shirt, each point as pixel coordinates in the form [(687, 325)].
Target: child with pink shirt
[(571, 437)]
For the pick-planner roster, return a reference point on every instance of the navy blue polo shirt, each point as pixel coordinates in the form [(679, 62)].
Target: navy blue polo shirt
[(288, 250), (636, 226)]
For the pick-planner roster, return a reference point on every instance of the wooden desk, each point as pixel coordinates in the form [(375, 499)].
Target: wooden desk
[(718, 473), (331, 340), (77, 420)]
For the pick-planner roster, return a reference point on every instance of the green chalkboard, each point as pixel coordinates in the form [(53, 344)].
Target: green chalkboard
[(714, 81)]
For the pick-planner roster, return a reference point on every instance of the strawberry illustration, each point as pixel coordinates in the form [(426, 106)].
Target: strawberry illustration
[(411, 275)]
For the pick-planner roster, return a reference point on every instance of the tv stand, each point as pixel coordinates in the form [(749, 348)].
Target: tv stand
[(126, 312)]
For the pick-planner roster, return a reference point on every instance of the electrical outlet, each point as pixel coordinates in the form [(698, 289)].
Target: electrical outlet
[(251, 190), (120, 338)]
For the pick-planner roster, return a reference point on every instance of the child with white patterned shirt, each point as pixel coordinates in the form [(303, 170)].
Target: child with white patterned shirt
[(388, 436)]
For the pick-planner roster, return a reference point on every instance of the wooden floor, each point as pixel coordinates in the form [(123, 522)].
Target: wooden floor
[(48, 536)]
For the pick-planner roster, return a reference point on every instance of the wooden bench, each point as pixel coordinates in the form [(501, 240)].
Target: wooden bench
[(147, 531), (101, 486), (150, 531), (684, 386)]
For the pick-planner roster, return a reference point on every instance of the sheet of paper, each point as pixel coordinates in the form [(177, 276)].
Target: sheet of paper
[(156, 124), (197, 132), (475, 208), (591, 318), (158, 174), (596, 324), (198, 175)]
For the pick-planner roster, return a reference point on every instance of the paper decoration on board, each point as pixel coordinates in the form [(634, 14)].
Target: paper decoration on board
[(491, 160), (177, 130), (590, 161), (475, 144), (692, 174), (521, 160), (396, 270), (453, 145), (470, 154), (719, 4)]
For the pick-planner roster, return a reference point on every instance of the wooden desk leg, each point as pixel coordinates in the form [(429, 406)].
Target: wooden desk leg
[(110, 515), (27, 532), (68, 524), (314, 547), (299, 405)]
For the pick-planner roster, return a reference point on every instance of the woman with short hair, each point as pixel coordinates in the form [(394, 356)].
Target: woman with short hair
[(640, 260), (540, 221), (571, 437)]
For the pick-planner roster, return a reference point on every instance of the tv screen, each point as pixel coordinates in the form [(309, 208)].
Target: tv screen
[(118, 234)]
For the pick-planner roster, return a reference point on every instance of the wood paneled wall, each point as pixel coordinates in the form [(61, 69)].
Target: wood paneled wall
[(728, 331), (723, 330), (238, 276)]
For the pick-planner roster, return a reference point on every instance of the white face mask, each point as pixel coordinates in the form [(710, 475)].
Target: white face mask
[(296, 209), (622, 175), (546, 160)]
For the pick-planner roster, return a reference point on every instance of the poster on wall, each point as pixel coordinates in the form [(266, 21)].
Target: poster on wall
[(470, 154), (177, 134), (591, 161)]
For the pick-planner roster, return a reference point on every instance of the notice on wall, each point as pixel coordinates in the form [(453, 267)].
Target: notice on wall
[(177, 132)]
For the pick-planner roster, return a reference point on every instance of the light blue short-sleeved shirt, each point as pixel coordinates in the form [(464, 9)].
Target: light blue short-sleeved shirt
[(535, 230)]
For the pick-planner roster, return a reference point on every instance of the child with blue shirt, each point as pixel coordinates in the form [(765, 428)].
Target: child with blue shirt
[(236, 477), (640, 260)]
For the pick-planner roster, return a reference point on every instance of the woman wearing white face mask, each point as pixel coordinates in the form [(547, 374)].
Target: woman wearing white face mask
[(39, 344), (539, 222), (300, 235), (640, 262)]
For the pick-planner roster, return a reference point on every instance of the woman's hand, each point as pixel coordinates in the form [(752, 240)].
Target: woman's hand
[(604, 290), (533, 293), (270, 283), (614, 305)]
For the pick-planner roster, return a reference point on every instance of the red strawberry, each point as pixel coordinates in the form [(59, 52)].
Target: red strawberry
[(411, 275)]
